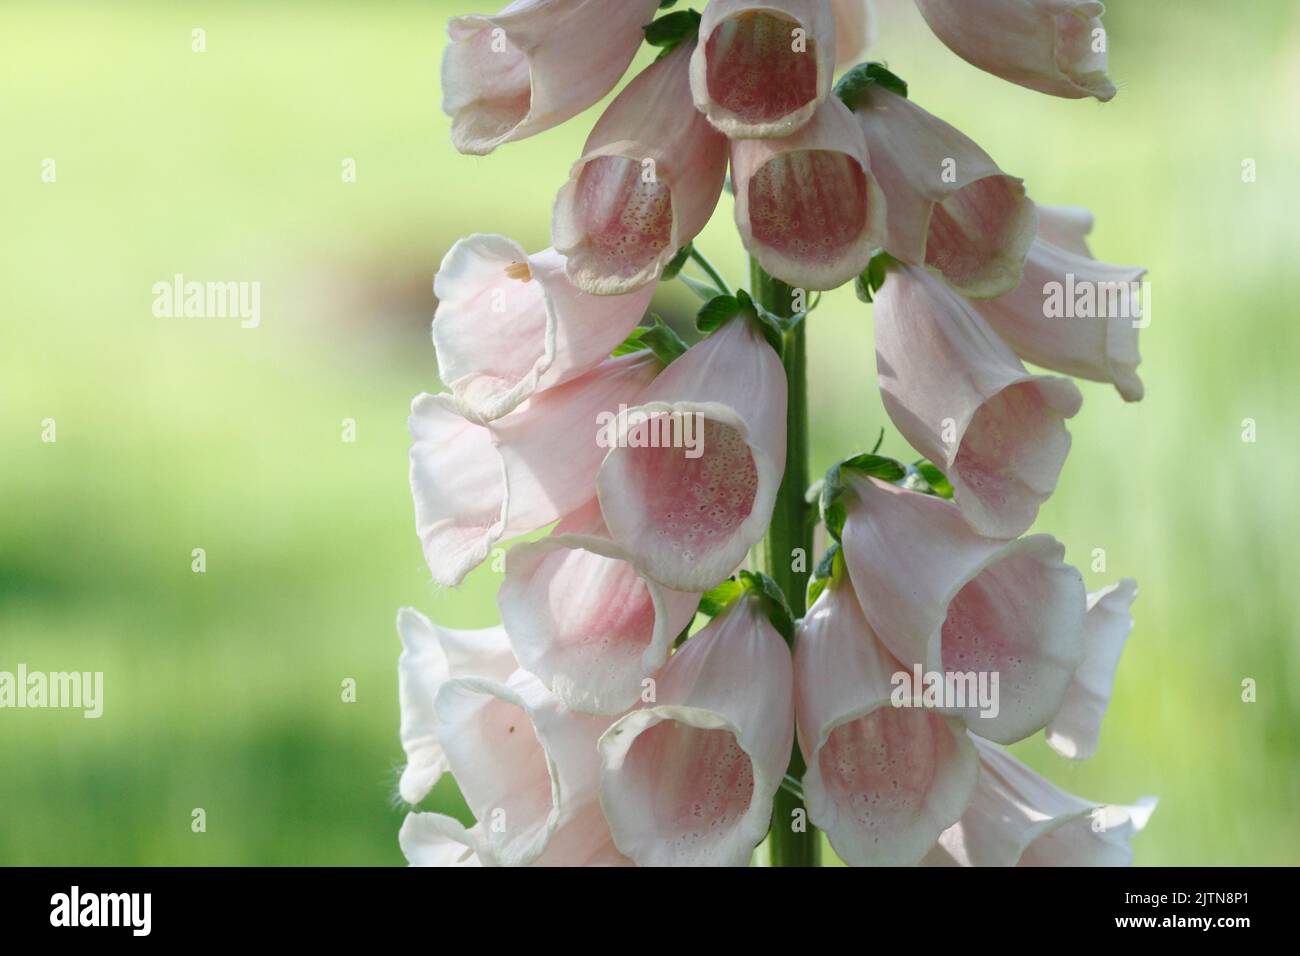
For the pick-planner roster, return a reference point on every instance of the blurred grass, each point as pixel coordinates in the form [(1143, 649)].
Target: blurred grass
[(223, 689)]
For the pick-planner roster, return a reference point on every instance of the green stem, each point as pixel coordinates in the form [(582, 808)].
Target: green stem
[(714, 276), (787, 547)]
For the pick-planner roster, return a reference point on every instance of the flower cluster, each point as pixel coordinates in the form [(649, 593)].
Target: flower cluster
[(593, 726)]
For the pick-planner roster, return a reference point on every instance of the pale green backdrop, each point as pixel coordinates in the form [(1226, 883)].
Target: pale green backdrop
[(223, 689)]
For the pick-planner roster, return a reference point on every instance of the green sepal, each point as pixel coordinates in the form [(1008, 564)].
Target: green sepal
[(773, 601), (659, 338), (858, 81), (714, 602), (833, 511), (672, 29), (873, 277), (935, 481), (759, 587), (829, 569), (676, 264), (716, 312)]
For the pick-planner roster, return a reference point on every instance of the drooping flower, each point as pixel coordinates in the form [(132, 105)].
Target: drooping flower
[(939, 595), (648, 181), (690, 780), (807, 206), (431, 656), (509, 324), (526, 764), (584, 620), (960, 397), (476, 485), (948, 205), (1071, 313), (761, 68), (688, 488), (1073, 732), (534, 65), (882, 781), (1052, 46), (1016, 818), (855, 29)]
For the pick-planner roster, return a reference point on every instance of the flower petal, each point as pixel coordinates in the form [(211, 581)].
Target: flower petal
[(647, 183), (753, 74), (689, 486), (1016, 818), (855, 29), (1074, 731), (584, 620), (534, 65), (1052, 46), (431, 839), (1073, 314), (948, 205), (807, 207), (691, 779), (940, 595), (509, 324), (430, 656), (961, 397), (476, 485), (882, 782), (527, 765)]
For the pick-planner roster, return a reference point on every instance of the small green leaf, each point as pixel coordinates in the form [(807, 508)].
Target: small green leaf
[(775, 605), (704, 290), (632, 343), (858, 81), (936, 479), (676, 263), (862, 287), (830, 568), (877, 466), (659, 338), (671, 29), (832, 508), (715, 313), (713, 603)]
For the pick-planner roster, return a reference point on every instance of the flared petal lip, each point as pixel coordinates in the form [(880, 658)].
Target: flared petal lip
[(618, 739), (505, 402), (656, 652), (449, 827), (1138, 815), (764, 497), (1004, 281), (1037, 544), (727, 122), (823, 277), (459, 28), (475, 556), (1064, 398), (535, 845), (620, 285), (815, 795)]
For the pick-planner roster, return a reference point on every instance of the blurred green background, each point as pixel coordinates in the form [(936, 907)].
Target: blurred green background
[(223, 689)]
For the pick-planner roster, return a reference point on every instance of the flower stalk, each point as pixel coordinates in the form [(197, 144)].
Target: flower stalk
[(785, 554)]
